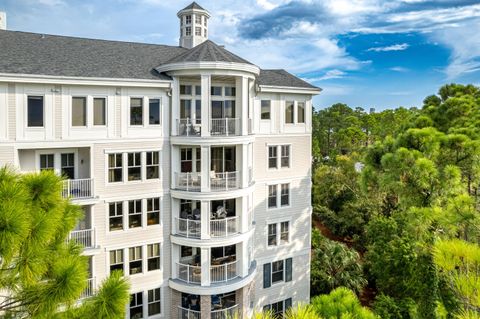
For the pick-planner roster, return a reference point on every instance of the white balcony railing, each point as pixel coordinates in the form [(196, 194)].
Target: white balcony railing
[(189, 273), (188, 181), (225, 126), (223, 273), (188, 227), (78, 188), (189, 127), (89, 290), (224, 227), (84, 237), (224, 181), (226, 313), (184, 313)]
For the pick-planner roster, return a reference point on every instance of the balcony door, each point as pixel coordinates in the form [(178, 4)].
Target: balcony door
[(68, 165), (223, 109), (223, 159), (190, 160)]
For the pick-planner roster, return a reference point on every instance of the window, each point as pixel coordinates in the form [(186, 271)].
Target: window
[(135, 213), (265, 109), (205, 31), (277, 271), (198, 90), (205, 22), (230, 91), (198, 31), (216, 90), (134, 166), (154, 111), (188, 30), (272, 196), (198, 159), (116, 260), (186, 160), (284, 235), (47, 162), (154, 306), (135, 260), (188, 19), (185, 108), (272, 157), (136, 305), (285, 195), (153, 257), (198, 19), (289, 112), (279, 308), (35, 111), (272, 235), (99, 111), (285, 156), (79, 111), (198, 111), (115, 171), (153, 165), (186, 251), (136, 111), (115, 213), (185, 89), (153, 211), (301, 112), (68, 165)]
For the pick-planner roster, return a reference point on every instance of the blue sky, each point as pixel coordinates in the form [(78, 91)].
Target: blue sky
[(366, 53)]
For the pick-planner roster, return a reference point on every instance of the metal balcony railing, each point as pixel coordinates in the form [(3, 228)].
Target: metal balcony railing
[(189, 273), (226, 313), (78, 188), (224, 227), (224, 181), (224, 272), (184, 313), (90, 290), (225, 126), (189, 127), (188, 227), (84, 237), (188, 181)]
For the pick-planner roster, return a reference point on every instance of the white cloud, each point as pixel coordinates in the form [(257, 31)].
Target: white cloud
[(330, 74), (51, 3), (267, 5), (399, 69), (394, 47)]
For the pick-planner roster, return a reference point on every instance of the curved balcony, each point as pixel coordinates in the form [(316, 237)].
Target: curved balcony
[(190, 274), (218, 228), (226, 313), (219, 181), (184, 313), (223, 272)]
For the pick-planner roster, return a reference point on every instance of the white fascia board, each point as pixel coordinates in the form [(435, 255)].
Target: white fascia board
[(287, 89), (196, 66), (70, 80)]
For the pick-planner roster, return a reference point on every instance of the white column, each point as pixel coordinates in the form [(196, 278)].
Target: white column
[(244, 166), (241, 84), (205, 262), (205, 219), (205, 165), (243, 201), (175, 204), (251, 88), (205, 96), (175, 111), (175, 163), (175, 260), (242, 263)]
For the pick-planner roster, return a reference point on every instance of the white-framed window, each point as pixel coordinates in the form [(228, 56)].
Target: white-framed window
[(285, 195), (272, 196), (135, 213), (154, 112), (198, 31), (136, 305), (289, 111), (285, 156), (153, 165), (188, 19), (67, 162), (300, 112), (99, 111), (153, 211), (154, 302), (136, 111), (278, 195), (273, 156), (277, 272), (265, 109), (79, 111), (135, 260), (198, 19), (134, 170), (115, 216), (272, 235), (116, 260), (47, 162), (153, 257), (115, 168), (188, 30), (276, 237), (185, 89), (279, 308), (35, 111)]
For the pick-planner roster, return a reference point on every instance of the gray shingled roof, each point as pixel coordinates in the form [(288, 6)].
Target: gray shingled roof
[(207, 51), (282, 78), (193, 5), (32, 53)]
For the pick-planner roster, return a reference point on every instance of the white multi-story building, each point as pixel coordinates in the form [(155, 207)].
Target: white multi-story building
[(192, 164)]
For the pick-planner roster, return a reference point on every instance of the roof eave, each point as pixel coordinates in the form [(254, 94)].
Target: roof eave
[(209, 65), (288, 89)]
